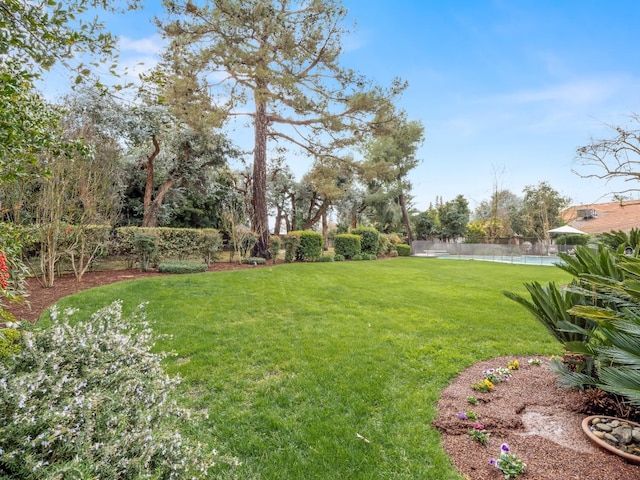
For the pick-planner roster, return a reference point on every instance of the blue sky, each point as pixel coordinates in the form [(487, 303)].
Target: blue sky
[(506, 90)]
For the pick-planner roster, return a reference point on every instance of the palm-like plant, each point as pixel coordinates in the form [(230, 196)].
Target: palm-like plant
[(597, 317)]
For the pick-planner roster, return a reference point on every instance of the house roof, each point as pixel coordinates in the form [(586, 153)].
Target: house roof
[(608, 216)]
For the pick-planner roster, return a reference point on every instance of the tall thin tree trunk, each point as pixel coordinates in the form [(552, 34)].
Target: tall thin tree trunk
[(325, 231), (260, 217), (148, 188), (405, 217)]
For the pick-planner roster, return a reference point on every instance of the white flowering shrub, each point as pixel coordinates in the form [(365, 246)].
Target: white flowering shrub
[(92, 401)]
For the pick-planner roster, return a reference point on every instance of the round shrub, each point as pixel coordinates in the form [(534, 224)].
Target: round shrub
[(338, 258), (403, 250), (369, 236), (254, 261), (291, 243), (91, 400), (347, 244), (325, 258), (182, 266), (275, 246)]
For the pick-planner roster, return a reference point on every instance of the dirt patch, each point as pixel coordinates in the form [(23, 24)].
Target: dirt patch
[(539, 421), (40, 298)]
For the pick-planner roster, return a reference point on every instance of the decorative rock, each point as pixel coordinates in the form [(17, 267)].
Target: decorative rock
[(611, 438), (603, 427), (619, 436), (623, 434)]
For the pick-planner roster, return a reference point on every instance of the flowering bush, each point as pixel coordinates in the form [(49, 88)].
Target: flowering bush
[(479, 434), (92, 401), (509, 463)]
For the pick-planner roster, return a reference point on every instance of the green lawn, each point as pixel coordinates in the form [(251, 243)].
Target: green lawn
[(292, 362)]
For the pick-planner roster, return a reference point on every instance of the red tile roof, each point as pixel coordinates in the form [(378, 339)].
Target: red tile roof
[(609, 216)]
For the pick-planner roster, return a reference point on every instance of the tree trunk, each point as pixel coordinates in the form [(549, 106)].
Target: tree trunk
[(154, 209), (405, 218), (259, 216), (325, 231), (148, 188), (321, 211), (276, 227)]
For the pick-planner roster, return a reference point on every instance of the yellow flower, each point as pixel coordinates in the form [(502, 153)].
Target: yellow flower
[(515, 365), (488, 383)]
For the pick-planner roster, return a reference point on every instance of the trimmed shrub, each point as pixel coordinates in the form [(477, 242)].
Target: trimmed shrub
[(403, 250), (92, 400), (310, 244), (210, 245), (370, 237), (275, 246), (347, 244), (182, 266), (254, 261), (393, 253), (291, 243), (180, 243), (338, 258), (325, 259), (145, 249)]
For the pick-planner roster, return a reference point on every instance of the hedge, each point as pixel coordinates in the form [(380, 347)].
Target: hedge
[(403, 250), (309, 246), (347, 244), (370, 237)]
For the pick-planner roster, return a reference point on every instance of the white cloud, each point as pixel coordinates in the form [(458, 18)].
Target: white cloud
[(149, 46)]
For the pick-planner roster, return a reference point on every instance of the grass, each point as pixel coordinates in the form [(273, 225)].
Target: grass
[(293, 363)]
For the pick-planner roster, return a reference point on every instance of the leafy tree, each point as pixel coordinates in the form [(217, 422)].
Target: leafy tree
[(282, 58), (281, 194), (427, 224), (454, 217), (476, 232), (390, 156), (499, 214), (542, 206), (34, 36)]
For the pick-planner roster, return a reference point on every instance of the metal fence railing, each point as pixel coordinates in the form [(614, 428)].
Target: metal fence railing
[(490, 251)]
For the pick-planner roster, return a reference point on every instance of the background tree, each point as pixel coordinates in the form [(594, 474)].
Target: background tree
[(616, 157), (281, 193), (542, 206), (454, 217), (36, 36), (282, 58), (499, 214), (390, 156), (427, 224)]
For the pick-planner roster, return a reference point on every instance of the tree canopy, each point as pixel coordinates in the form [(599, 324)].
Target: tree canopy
[(278, 61)]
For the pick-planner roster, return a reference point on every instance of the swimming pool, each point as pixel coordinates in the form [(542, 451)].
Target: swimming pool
[(514, 259)]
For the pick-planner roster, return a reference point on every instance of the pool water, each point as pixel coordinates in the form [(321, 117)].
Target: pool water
[(514, 259)]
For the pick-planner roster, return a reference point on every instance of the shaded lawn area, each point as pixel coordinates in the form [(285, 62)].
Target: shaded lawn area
[(295, 364)]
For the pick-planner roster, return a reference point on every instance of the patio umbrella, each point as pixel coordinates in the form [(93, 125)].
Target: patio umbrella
[(567, 230)]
